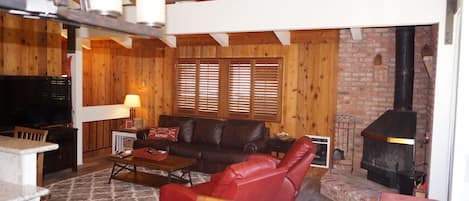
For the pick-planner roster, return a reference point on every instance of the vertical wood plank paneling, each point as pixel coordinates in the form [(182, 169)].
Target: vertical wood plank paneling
[(92, 140), (290, 87), (41, 33), (111, 72), (87, 77), (100, 134), (107, 133), (28, 58), (23, 44), (12, 44), (54, 48), (309, 76), (2, 17), (86, 136), (168, 82)]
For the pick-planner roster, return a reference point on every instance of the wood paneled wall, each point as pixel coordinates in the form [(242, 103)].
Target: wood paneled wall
[(111, 71), (309, 78), (29, 47)]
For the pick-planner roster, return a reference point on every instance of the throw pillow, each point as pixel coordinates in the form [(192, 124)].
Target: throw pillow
[(164, 133)]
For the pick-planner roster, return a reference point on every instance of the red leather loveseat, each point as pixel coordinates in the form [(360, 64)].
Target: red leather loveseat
[(231, 184), (297, 162), (214, 143), (254, 180)]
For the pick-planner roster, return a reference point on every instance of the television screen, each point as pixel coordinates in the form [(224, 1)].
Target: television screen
[(34, 101)]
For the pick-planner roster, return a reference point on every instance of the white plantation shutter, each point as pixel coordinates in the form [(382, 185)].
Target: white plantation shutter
[(266, 90), (239, 101), (186, 86), (209, 78), (230, 88)]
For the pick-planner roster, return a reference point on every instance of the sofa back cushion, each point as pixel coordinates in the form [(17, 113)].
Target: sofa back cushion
[(237, 133), (207, 131), (185, 124)]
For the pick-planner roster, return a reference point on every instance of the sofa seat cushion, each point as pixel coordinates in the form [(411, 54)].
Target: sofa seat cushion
[(156, 144), (189, 150), (225, 155), (185, 124), (207, 131), (238, 133)]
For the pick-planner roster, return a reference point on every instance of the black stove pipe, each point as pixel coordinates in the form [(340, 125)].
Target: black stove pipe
[(404, 82)]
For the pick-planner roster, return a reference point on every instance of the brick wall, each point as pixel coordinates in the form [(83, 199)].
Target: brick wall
[(366, 90)]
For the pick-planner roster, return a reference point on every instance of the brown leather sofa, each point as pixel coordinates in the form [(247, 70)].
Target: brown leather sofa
[(214, 143)]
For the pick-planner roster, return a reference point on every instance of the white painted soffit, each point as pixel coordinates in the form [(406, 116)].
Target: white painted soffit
[(227, 16), (222, 38), (169, 40), (283, 36)]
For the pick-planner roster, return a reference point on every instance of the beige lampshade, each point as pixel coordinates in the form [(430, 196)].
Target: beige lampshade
[(111, 8), (132, 100), (151, 12)]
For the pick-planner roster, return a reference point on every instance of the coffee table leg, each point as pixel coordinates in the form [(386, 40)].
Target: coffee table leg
[(169, 177), (135, 170), (190, 178), (112, 172)]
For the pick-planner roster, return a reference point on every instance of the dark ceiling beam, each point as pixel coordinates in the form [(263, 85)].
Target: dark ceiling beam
[(93, 20)]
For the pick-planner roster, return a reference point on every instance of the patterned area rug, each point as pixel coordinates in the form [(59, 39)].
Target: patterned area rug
[(94, 186)]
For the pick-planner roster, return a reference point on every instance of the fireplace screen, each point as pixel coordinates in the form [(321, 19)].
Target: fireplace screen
[(322, 151)]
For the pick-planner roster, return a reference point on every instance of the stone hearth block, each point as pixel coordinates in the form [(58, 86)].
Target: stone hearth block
[(348, 187)]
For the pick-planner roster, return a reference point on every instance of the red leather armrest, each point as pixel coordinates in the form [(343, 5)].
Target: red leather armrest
[(215, 177), (258, 156), (177, 192)]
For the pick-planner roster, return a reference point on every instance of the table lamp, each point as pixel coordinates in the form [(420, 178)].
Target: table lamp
[(132, 101)]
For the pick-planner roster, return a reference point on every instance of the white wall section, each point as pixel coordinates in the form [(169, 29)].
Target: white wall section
[(226, 16)]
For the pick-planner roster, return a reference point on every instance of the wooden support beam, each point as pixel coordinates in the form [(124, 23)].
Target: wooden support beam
[(222, 38), (98, 33), (356, 33), (94, 20), (124, 41), (283, 37), (169, 40)]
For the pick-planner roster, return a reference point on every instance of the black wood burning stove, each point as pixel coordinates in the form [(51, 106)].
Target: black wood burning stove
[(389, 142)]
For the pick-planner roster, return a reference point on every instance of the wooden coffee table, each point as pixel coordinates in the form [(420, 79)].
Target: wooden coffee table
[(169, 165)]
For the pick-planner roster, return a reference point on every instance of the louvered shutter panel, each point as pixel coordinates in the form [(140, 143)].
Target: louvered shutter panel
[(209, 78), (239, 99), (186, 86), (266, 90)]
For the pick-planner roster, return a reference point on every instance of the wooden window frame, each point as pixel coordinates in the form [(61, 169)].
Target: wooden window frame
[(224, 88)]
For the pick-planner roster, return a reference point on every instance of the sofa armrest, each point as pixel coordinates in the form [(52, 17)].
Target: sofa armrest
[(177, 192), (143, 134), (256, 146)]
